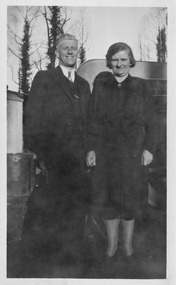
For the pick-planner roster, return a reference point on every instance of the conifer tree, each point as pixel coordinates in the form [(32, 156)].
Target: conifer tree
[(161, 45), (25, 67), (55, 23), (82, 54)]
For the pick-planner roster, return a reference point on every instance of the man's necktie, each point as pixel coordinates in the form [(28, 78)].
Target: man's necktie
[(70, 78), (69, 75)]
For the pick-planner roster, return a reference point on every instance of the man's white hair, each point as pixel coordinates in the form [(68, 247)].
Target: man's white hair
[(65, 36)]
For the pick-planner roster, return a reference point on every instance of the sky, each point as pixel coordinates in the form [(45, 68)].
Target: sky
[(114, 24), (104, 25)]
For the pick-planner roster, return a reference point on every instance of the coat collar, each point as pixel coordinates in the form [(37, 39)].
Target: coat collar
[(128, 78), (109, 76)]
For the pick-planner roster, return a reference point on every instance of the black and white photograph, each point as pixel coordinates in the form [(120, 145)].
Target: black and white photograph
[(88, 197)]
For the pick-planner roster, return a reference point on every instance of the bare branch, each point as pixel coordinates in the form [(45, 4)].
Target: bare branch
[(19, 10), (65, 21), (14, 53), (13, 77), (14, 34), (35, 15), (38, 63), (37, 49), (47, 25)]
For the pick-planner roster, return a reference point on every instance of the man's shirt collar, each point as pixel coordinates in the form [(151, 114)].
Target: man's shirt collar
[(65, 72)]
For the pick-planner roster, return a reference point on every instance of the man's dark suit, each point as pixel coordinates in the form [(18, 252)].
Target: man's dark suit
[(55, 136), (49, 111)]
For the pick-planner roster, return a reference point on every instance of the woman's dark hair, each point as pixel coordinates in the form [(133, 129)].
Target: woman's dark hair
[(113, 49)]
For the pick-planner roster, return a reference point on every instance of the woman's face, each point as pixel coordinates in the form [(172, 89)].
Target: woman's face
[(120, 63)]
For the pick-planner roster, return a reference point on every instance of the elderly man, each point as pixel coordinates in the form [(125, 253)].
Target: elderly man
[(56, 117)]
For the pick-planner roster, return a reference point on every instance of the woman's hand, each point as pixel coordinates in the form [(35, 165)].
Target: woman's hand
[(91, 158), (146, 157)]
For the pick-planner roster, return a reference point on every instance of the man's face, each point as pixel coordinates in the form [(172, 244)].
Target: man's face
[(120, 63), (68, 53)]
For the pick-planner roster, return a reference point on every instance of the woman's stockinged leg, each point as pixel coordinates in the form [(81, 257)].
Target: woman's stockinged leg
[(128, 228), (112, 227)]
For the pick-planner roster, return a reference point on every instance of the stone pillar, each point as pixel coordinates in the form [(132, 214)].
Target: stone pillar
[(14, 123), (20, 167)]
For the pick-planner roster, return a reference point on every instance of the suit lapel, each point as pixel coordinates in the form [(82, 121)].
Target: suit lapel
[(59, 77), (82, 97)]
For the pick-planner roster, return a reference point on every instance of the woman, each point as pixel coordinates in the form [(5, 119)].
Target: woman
[(122, 138)]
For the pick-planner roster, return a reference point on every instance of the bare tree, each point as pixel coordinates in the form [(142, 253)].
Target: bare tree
[(153, 26), (81, 30), (20, 26), (45, 24), (82, 33), (19, 46), (140, 47)]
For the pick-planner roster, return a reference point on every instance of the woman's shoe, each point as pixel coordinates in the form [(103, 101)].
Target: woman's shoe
[(131, 258), (107, 267)]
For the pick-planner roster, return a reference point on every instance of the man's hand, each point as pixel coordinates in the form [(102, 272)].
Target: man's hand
[(91, 158), (32, 153), (146, 157)]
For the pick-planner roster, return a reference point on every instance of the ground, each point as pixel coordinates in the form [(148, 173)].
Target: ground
[(149, 245)]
